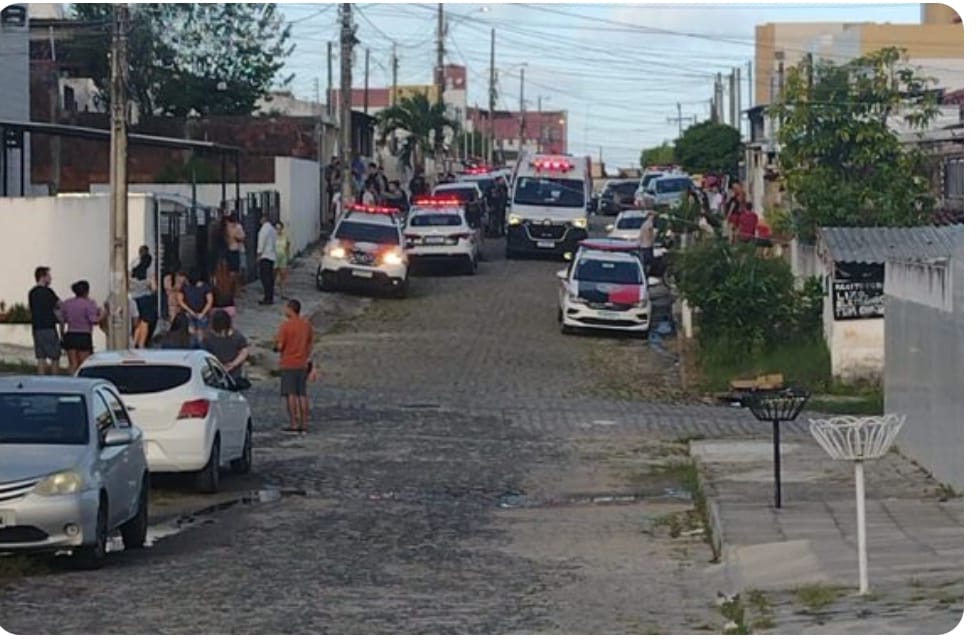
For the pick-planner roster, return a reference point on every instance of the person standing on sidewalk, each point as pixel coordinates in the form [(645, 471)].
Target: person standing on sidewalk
[(44, 306), (267, 253), (646, 238), (294, 343)]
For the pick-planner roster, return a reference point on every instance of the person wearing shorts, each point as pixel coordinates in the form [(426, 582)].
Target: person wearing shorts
[(44, 309), (294, 344), (196, 300), (81, 316)]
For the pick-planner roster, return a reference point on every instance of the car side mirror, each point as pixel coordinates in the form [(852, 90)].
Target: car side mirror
[(117, 437), (563, 274)]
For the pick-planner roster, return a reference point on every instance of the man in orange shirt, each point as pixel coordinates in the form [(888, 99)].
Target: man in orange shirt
[(294, 343)]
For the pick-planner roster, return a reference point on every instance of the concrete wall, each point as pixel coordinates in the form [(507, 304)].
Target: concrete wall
[(857, 347), (15, 97), (69, 233), (924, 362)]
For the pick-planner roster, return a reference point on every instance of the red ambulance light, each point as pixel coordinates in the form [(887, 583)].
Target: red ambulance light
[(556, 165), (372, 209), (433, 201)]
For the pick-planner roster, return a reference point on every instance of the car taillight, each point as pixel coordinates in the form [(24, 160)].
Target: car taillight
[(461, 235), (194, 410)]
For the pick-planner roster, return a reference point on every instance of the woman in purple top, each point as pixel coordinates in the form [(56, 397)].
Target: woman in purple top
[(80, 315)]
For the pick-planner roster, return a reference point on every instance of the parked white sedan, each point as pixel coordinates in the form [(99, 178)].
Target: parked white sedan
[(436, 230), (192, 414)]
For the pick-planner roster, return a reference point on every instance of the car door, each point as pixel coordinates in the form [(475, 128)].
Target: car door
[(234, 410), (111, 462), (130, 470), (214, 379)]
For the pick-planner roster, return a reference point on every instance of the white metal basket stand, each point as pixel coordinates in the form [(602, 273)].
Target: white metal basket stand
[(858, 439)]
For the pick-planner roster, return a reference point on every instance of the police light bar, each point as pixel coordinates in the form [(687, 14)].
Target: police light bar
[(372, 209), (433, 201), (478, 170), (552, 164)]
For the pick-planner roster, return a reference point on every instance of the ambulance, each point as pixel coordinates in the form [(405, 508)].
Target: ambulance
[(548, 213)]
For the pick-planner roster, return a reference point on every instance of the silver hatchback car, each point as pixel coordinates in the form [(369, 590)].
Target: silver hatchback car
[(72, 468)]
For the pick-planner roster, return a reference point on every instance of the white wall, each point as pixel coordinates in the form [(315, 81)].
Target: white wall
[(69, 233), (299, 183), (857, 349)]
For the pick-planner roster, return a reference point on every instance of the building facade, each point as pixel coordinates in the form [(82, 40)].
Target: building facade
[(14, 98)]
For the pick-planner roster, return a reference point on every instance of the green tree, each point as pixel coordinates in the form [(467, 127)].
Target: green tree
[(842, 162), (663, 154), (183, 58), (709, 147), (423, 125)]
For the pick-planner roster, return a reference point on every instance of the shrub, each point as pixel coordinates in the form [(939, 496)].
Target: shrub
[(16, 314)]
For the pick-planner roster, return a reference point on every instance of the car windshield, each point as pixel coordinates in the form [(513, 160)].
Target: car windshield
[(668, 186), (624, 189), (567, 193), (43, 418), (630, 223), (608, 272), (140, 379), (356, 231), (647, 178), (461, 194), (425, 220)]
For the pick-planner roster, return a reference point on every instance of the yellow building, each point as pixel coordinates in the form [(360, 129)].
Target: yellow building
[(935, 46)]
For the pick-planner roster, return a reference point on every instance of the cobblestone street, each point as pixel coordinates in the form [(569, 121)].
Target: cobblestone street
[(459, 477)]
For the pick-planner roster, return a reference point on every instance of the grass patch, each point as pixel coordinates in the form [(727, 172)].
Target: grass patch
[(734, 613), (816, 597), (17, 368)]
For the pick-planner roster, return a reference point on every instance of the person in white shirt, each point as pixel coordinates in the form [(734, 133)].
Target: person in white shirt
[(267, 252), (646, 240)]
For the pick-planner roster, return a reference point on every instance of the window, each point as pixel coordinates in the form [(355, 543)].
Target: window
[(219, 374), (118, 409), (103, 416), (356, 231), (608, 272), (139, 379), (445, 220), (630, 223), (669, 186), (210, 377), (43, 418), (567, 193)]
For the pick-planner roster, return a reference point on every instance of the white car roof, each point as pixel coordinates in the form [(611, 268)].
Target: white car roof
[(466, 185), (635, 214), (456, 210), (602, 255), (164, 356)]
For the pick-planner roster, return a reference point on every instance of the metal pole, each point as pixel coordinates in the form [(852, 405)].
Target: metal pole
[(749, 80), (491, 99), (521, 111), (223, 179), (5, 158), (396, 64), (348, 38), (23, 170), (119, 322), (366, 86), (440, 51), (328, 96), (862, 546), (776, 464), (237, 179), (538, 143)]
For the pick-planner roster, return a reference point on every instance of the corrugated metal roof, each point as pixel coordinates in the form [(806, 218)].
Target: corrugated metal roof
[(876, 245)]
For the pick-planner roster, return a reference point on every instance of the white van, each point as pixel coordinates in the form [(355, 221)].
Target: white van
[(549, 197)]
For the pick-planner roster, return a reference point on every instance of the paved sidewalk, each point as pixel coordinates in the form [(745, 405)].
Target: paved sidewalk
[(914, 539)]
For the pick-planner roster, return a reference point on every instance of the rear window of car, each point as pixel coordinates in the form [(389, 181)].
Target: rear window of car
[(424, 220), (355, 231), (625, 189), (43, 418), (140, 379), (647, 178), (630, 223), (667, 186), (608, 272)]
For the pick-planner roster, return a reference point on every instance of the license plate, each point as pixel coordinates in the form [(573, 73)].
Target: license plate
[(546, 244), (606, 314), (434, 241), (6, 519), (365, 274)]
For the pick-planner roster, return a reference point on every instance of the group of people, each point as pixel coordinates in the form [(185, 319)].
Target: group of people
[(730, 211)]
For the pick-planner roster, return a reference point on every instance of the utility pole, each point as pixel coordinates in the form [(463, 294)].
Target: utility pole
[(732, 88), (318, 96), (538, 115), (441, 29), (521, 111), (749, 81), (719, 98), (396, 65), (348, 40), (366, 86), (491, 100), (680, 121), (118, 327), (328, 96)]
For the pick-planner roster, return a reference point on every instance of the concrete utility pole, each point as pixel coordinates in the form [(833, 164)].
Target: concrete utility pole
[(440, 51), (521, 111), (328, 96), (719, 98), (348, 40), (119, 323), (491, 100), (396, 65), (749, 81), (680, 121), (538, 143), (732, 90), (366, 86)]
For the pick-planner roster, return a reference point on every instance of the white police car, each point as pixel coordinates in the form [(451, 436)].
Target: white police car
[(365, 250), (604, 288), (437, 230)]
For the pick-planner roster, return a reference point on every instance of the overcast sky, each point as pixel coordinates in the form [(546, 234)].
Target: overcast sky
[(618, 69)]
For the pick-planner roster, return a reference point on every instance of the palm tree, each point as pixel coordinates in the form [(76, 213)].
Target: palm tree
[(424, 123)]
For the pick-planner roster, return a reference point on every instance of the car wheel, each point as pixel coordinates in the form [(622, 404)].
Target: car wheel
[(93, 556), (208, 478), (243, 464), (323, 282), (134, 531)]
